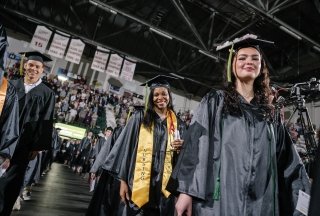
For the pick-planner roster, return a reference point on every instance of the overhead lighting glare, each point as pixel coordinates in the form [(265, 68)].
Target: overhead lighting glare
[(208, 54), (101, 6), (93, 3), (316, 48), (113, 12), (290, 33), (161, 33)]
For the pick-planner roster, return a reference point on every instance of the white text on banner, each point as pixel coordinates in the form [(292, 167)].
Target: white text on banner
[(75, 51), (58, 45), (114, 65), (100, 59), (128, 70), (40, 38)]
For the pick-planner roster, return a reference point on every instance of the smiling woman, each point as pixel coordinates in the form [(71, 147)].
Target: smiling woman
[(145, 153), (236, 156)]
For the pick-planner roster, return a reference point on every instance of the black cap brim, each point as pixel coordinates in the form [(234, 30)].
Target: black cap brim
[(248, 40), (36, 56), (159, 81)]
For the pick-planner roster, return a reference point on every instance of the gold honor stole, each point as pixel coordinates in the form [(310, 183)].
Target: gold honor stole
[(142, 171), (3, 92)]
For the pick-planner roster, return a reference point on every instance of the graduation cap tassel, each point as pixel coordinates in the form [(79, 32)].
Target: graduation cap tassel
[(229, 64), (146, 99), (129, 115), (21, 65), (216, 193)]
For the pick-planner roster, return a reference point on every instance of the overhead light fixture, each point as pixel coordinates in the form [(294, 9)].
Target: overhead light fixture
[(176, 75), (208, 54), (113, 12), (103, 7), (316, 48), (93, 3), (160, 33), (290, 33)]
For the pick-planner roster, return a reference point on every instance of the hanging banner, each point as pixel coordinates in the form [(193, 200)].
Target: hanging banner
[(128, 70), (59, 44), (75, 51), (40, 38), (114, 65), (100, 59)]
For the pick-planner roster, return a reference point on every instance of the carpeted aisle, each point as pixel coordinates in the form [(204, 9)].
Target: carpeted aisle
[(59, 193)]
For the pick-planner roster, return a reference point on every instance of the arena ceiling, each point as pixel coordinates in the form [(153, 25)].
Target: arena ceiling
[(179, 37)]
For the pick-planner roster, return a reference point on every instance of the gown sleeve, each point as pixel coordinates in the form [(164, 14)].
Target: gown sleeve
[(9, 123), (122, 152), (194, 165), (102, 155), (292, 175)]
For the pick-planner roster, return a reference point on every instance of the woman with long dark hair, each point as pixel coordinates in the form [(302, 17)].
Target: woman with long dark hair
[(236, 159), (144, 154)]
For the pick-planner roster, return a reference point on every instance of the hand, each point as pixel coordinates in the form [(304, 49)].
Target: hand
[(124, 192), (184, 205), (5, 164), (177, 144), (93, 175), (32, 155)]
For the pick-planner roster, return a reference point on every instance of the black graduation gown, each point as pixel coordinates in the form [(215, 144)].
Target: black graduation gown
[(36, 116), (36, 124), (9, 123), (314, 209), (9, 132), (121, 162), (105, 199), (260, 170)]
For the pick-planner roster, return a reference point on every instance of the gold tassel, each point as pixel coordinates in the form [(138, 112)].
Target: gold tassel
[(21, 65), (229, 64), (146, 99)]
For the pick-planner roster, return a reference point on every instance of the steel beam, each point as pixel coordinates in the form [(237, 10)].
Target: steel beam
[(162, 51), (137, 19), (179, 6), (85, 39), (281, 23)]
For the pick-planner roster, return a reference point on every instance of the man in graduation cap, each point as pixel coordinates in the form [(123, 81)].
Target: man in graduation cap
[(236, 160), (143, 155), (9, 116), (36, 105)]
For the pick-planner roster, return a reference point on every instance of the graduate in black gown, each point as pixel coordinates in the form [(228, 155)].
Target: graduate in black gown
[(105, 199), (236, 160), (36, 105), (142, 157), (9, 112), (314, 209), (9, 117)]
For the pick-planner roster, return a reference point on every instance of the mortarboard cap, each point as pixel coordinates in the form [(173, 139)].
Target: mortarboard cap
[(248, 40), (36, 56), (159, 81)]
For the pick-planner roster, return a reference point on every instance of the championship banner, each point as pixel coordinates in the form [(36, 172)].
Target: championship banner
[(75, 51), (128, 70), (59, 44), (114, 65), (40, 38), (100, 59)]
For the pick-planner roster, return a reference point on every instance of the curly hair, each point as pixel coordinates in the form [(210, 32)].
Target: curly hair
[(261, 90), (150, 114)]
